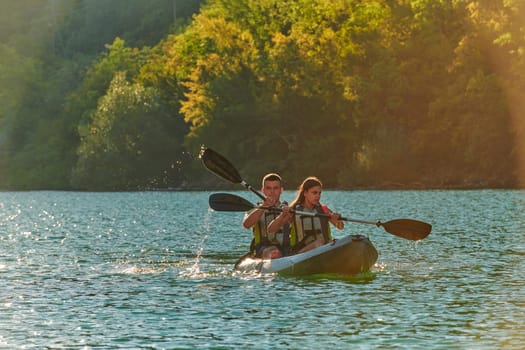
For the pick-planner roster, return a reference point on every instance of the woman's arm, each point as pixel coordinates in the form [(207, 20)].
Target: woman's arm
[(334, 219)]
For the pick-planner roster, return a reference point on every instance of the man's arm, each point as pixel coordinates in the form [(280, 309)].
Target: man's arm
[(251, 217)]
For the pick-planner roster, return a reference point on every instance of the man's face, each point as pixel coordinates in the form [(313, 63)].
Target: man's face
[(272, 189)]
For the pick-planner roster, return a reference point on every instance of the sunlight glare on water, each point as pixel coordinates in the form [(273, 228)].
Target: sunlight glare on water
[(154, 270)]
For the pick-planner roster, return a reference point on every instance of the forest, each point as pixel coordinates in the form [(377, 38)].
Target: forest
[(100, 95)]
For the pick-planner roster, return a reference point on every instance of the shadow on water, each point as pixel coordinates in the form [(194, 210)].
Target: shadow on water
[(362, 278)]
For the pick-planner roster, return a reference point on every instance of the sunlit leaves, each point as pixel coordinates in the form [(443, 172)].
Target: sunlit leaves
[(356, 92), (228, 51), (298, 61)]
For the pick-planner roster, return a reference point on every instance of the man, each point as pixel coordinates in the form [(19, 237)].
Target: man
[(265, 245)]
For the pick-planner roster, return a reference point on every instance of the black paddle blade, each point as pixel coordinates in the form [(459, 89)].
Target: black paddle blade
[(407, 228), (219, 165), (229, 202)]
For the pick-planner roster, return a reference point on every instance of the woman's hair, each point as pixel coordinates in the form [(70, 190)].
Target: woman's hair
[(308, 183)]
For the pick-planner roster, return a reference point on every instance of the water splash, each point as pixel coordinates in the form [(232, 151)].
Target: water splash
[(194, 271), (138, 270)]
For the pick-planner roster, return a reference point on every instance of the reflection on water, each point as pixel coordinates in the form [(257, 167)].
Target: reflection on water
[(154, 269)]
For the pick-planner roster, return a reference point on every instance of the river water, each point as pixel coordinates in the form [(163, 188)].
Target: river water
[(154, 270)]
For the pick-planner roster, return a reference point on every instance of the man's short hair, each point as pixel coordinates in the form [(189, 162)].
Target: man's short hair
[(271, 177)]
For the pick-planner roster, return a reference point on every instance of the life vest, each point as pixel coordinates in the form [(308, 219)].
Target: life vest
[(261, 237), (306, 229)]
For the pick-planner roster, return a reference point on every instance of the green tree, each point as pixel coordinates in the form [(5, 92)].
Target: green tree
[(82, 102), (18, 74), (466, 131), (360, 93), (55, 43), (275, 79), (131, 142), (93, 24)]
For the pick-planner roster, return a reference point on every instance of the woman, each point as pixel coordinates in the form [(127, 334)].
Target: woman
[(307, 231)]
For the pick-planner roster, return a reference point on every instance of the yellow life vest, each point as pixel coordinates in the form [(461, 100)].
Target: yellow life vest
[(306, 228), (260, 233)]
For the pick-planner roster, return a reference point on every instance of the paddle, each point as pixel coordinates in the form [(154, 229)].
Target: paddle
[(221, 167), (405, 228)]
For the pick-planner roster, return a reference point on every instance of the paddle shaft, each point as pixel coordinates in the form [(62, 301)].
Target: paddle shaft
[(220, 166), (245, 184), (308, 213), (404, 228)]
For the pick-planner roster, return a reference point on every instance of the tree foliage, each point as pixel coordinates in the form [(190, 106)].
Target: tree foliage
[(360, 93), (130, 142)]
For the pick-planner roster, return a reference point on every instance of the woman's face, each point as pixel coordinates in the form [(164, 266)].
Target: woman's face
[(312, 196)]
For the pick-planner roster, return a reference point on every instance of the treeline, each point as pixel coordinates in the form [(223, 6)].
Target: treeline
[(121, 94)]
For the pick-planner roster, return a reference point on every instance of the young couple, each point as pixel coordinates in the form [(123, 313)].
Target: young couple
[(280, 231)]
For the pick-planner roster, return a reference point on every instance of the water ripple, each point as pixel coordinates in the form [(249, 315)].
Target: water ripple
[(154, 270)]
